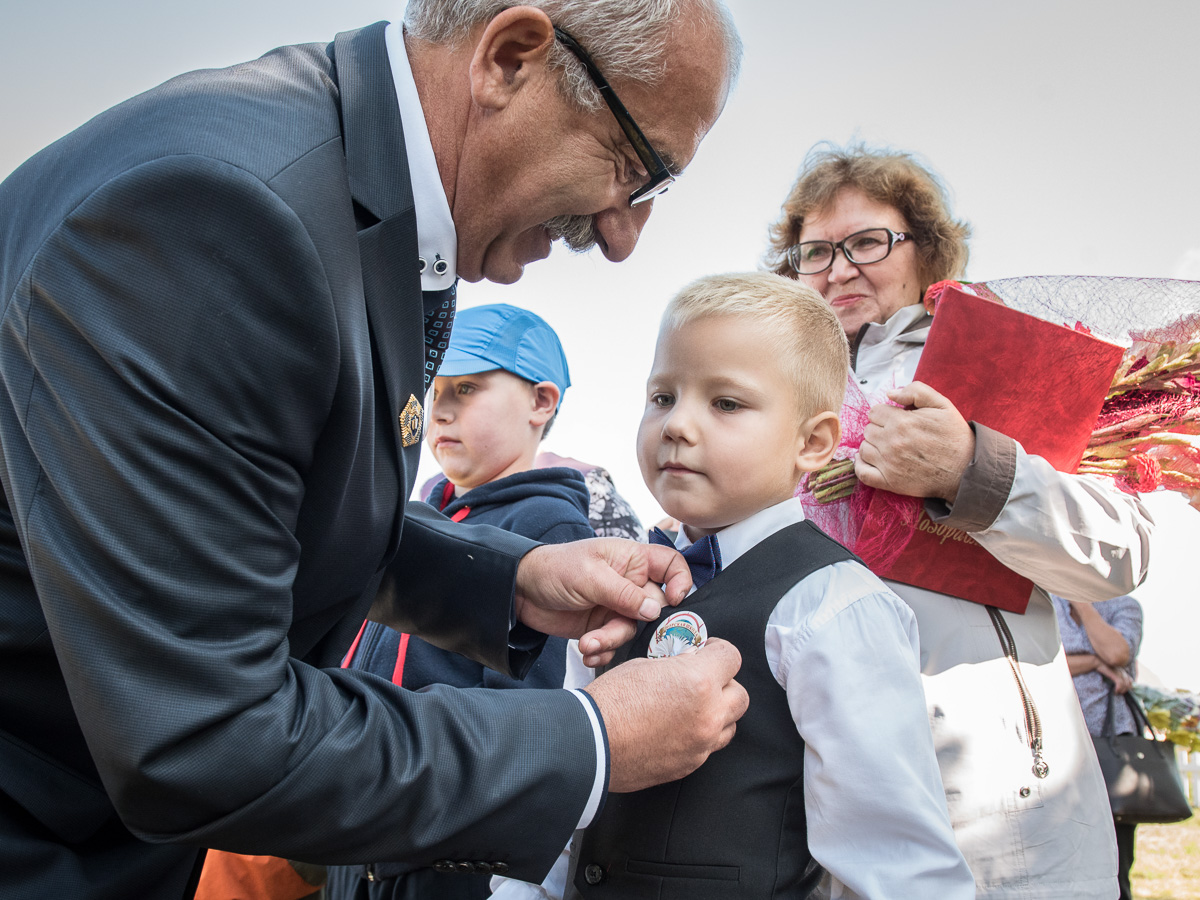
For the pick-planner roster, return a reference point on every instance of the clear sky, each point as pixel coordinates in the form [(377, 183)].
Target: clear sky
[(1067, 132)]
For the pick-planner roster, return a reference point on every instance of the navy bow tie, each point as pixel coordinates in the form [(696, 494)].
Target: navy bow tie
[(703, 557)]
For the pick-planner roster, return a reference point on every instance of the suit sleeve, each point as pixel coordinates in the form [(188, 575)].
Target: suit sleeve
[(450, 566), (182, 351)]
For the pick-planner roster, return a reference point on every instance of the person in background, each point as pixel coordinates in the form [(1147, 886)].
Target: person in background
[(870, 231), (496, 396), (1102, 641)]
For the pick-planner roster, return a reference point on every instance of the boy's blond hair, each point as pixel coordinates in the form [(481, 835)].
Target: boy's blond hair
[(798, 326)]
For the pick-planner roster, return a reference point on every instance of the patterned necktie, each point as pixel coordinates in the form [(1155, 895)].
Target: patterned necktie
[(439, 319), (703, 557)]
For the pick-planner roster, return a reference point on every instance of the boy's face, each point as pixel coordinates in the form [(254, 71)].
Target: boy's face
[(722, 436), (481, 428)]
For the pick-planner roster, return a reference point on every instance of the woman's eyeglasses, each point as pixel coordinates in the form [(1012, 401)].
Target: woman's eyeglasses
[(861, 248)]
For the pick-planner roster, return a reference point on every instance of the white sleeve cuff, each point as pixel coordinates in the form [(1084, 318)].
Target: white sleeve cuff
[(600, 785)]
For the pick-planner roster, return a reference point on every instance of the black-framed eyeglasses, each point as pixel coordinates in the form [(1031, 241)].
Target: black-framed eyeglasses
[(862, 248), (660, 176)]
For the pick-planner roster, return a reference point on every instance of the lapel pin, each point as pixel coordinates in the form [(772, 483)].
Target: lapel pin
[(680, 632), (410, 422)]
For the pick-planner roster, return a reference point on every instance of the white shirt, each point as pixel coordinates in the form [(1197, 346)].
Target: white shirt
[(436, 237), (888, 354), (845, 650)]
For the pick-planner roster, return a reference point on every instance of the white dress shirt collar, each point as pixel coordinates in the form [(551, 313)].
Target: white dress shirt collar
[(888, 354), (436, 237), (739, 537), (896, 327)]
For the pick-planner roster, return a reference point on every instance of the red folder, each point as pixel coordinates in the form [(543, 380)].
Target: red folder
[(1038, 382)]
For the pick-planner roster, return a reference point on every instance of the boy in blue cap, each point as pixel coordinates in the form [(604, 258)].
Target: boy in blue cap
[(495, 396)]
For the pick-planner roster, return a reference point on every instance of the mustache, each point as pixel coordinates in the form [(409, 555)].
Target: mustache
[(577, 232)]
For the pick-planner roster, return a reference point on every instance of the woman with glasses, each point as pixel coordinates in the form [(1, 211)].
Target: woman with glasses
[(871, 231)]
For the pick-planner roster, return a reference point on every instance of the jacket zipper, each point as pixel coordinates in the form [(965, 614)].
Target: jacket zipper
[(1033, 722)]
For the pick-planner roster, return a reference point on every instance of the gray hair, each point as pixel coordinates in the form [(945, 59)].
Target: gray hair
[(626, 38)]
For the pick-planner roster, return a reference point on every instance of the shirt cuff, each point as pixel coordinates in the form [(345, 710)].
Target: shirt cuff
[(600, 785), (985, 484), (524, 647)]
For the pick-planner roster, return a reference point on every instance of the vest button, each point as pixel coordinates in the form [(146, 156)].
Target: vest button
[(593, 874)]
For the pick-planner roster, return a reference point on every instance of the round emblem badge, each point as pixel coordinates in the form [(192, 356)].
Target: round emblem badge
[(678, 633)]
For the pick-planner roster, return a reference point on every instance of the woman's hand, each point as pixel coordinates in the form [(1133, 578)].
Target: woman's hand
[(920, 451), (1120, 679)]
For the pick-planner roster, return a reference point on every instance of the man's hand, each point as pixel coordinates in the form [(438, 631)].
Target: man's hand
[(597, 590), (920, 451), (665, 716)]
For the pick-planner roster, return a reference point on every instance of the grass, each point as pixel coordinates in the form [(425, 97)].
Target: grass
[(1166, 864)]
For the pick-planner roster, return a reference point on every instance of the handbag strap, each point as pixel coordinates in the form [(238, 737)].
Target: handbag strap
[(1139, 715), (1110, 717)]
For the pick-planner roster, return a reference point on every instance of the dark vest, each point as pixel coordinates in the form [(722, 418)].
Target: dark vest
[(736, 826)]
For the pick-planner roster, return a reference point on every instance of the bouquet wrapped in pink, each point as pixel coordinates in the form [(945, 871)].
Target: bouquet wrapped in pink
[(1146, 437)]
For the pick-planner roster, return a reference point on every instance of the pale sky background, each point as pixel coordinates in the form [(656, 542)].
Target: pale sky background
[(1067, 131)]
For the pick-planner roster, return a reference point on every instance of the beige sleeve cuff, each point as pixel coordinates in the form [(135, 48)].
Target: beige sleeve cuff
[(985, 484)]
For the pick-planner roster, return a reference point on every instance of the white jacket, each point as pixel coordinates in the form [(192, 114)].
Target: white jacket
[(1023, 836)]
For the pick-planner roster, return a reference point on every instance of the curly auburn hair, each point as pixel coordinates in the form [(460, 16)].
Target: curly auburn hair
[(885, 176)]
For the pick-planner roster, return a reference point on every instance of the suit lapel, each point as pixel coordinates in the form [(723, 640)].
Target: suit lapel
[(381, 186)]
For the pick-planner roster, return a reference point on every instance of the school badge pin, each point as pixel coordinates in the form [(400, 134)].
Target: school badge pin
[(410, 422), (678, 633)]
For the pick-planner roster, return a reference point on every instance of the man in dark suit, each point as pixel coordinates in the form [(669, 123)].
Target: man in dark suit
[(212, 350)]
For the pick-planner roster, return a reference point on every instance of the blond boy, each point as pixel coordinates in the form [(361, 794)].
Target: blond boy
[(830, 786)]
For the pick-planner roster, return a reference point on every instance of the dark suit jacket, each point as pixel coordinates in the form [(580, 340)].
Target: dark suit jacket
[(211, 320)]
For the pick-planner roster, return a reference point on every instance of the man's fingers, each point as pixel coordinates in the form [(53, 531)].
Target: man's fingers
[(665, 716), (597, 645), (723, 658), (617, 593), (668, 568)]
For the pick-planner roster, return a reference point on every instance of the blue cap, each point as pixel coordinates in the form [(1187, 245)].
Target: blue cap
[(505, 337)]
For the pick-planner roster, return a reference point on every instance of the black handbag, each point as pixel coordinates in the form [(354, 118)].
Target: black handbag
[(1141, 772)]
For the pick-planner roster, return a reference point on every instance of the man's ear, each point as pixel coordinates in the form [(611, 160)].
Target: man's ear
[(545, 401), (512, 46), (819, 436)]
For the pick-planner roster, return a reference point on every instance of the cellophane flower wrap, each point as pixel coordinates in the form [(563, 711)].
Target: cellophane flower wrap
[(1146, 438), (1175, 713)]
